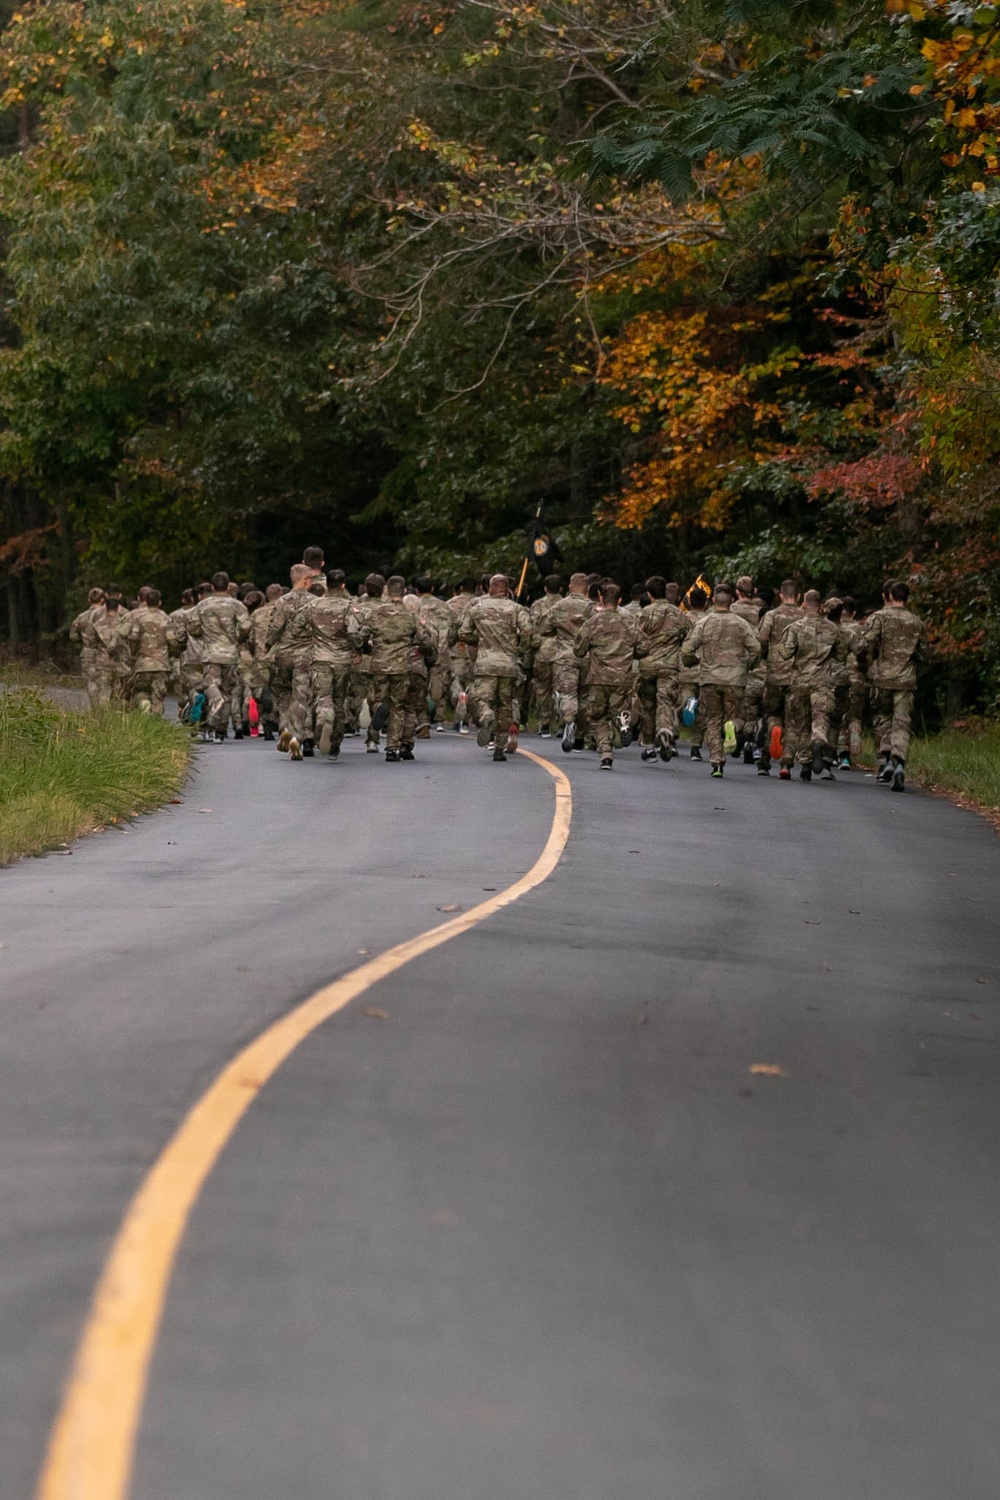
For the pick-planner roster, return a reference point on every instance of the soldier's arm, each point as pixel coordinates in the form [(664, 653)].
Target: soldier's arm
[(764, 636), (194, 623), (427, 643), (871, 635), (786, 648), (691, 647), (242, 620), (275, 624), (466, 632), (581, 641), (753, 646)]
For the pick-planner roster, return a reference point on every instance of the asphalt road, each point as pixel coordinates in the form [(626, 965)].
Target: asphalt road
[(523, 1223)]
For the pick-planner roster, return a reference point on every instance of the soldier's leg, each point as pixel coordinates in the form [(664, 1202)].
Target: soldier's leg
[(598, 711), (484, 693), (300, 702), (322, 691), (140, 692), (218, 704), (156, 689), (902, 721), (414, 708), (506, 709), (648, 689), (710, 706), (396, 689), (543, 686), (566, 681), (882, 707), (797, 727), (667, 699)]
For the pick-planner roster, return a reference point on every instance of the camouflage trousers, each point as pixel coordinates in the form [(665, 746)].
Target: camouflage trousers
[(893, 715), (542, 685), (776, 707), (439, 689), (109, 685), (495, 695), (461, 682), (807, 721), (329, 686), (605, 701), (392, 691), (222, 689), (753, 702), (850, 725), (149, 689), (293, 693), (414, 708), (658, 703), (718, 702)]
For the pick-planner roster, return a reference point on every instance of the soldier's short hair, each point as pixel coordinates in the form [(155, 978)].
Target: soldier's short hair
[(697, 598), (812, 596), (205, 588), (468, 584), (95, 596), (312, 558), (833, 609), (744, 585), (253, 600), (850, 604), (145, 592), (723, 591), (220, 582), (656, 587), (153, 598), (374, 584), (423, 583), (274, 591), (336, 578), (113, 590), (611, 593), (552, 583), (580, 580), (896, 589), (187, 596), (789, 589), (299, 571), (396, 586)]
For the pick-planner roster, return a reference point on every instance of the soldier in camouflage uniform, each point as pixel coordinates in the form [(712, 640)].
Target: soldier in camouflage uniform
[(725, 649), (221, 623), (816, 650), (661, 631), (563, 623), (389, 630), (607, 639), (543, 670), (333, 660), (892, 644), (849, 743), (101, 633), (290, 644), (500, 629), (749, 606), (436, 618), (362, 683), (190, 666), (461, 657), (778, 680), (687, 677), (260, 676), (151, 636), (88, 670)]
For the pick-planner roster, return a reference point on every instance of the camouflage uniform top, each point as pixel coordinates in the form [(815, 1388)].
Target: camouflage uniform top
[(662, 628), (458, 605), (853, 631), (191, 651), (893, 641), (724, 648), (436, 617), (328, 621), (222, 622), (151, 634), (259, 621), (769, 631), (501, 629), (391, 629), (564, 623), (608, 637), (816, 649), (77, 627), (547, 648), (747, 610), (289, 629), (102, 633)]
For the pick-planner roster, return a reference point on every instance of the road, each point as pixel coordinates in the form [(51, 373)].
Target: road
[(522, 1222)]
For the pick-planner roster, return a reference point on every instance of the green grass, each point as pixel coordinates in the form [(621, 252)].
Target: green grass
[(966, 761), (64, 774)]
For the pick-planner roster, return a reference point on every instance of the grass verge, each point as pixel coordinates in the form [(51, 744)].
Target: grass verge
[(65, 774), (964, 762)]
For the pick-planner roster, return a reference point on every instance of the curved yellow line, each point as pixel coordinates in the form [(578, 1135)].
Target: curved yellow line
[(91, 1448)]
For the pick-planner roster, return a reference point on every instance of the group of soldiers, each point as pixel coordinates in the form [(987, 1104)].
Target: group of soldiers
[(779, 681)]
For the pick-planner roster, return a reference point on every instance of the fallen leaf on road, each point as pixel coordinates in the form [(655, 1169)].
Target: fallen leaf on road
[(450, 907), (206, 809), (419, 877), (770, 1070), (362, 950), (982, 981), (375, 1014), (852, 913), (3, 945), (489, 887), (176, 801)]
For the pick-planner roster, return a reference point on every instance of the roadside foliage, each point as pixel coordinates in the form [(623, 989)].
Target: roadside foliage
[(716, 283)]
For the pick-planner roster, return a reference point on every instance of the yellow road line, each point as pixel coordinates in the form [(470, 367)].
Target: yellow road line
[(93, 1439)]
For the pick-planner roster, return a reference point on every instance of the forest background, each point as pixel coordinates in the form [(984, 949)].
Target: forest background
[(715, 282)]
